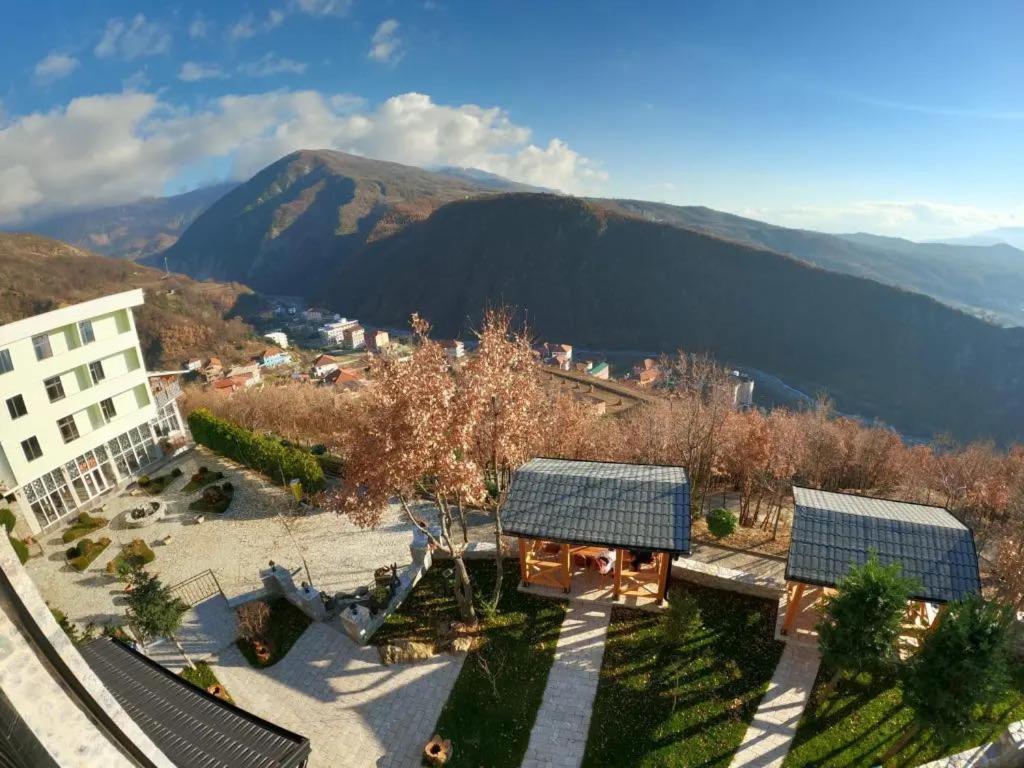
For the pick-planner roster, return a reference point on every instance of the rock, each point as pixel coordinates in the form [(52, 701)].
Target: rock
[(405, 652), (464, 643)]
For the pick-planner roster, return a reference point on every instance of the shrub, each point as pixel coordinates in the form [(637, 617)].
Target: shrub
[(258, 452), (85, 551), (176, 472), (135, 555), (7, 519), (721, 522), (21, 548), (84, 523), (253, 620), (214, 499), (143, 480)]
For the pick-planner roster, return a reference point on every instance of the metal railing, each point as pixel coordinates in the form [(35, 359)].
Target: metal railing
[(197, 588)]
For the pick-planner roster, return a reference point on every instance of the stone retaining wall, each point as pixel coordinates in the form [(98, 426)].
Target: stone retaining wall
[(1005, 752), (717, 577)]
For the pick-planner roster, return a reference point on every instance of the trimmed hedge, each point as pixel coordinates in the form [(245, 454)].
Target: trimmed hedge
[(264, 454), (85, 551), (84, 523), (136, 554), (20, 549), (7, 519)]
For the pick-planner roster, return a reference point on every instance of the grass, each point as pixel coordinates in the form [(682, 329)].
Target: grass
[(84, 524), (514, 658), (81, 555), (202, 676), (219, 506), (863, 718), (201, 478), (672, 699), (287, 623), (136, 553)]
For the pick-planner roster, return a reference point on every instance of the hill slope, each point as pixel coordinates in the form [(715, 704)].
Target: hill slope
[(133, 230), (984, 280), (307, 213), (180, 319), (602, 279)]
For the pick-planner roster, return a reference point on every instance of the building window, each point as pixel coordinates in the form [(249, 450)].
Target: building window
[(68, 428), (107, 406), (42, 347), (86, 332), (31, 448), (5, 361), (16, 406), (54, 389), (96, 371)]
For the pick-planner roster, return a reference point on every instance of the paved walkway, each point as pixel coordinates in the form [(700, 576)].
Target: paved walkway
[(356, 712), (206, 629), (771, 732), (559, 736)]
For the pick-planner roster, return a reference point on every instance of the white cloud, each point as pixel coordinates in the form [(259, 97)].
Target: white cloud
[(199, 27), (323, 7), (192, 71), (271, 64), (114, 148), (916, 219), (386, 45), (136, 81), (55, 66), (248, 26), (133, 39)]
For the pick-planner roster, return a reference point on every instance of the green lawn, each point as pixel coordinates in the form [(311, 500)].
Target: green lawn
[(487, 731), (287, 623), (858, 723), (668, 701), (202, 676)]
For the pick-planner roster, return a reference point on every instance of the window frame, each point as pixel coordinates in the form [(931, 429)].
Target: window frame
[(103, 409), (37, 344), (31, 442), (68, 423), (54, 380), (8, 366), (11, 402), (98, 367), (82, 332)]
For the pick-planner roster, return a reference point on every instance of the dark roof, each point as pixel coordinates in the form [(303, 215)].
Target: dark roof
[(617, 505), (191, 727), (833, 531)]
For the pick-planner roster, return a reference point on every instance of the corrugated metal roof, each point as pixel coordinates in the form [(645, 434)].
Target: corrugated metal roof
[(637, 506), (834, 531), (191, 727)]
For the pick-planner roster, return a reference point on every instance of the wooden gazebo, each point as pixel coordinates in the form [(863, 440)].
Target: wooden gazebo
[(834, 531), (584, 523)]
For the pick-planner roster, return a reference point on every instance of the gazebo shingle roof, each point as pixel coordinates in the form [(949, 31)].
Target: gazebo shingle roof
[(834, 531), (617, 505)]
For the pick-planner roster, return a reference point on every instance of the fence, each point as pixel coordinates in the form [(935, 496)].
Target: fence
[(197, 588)]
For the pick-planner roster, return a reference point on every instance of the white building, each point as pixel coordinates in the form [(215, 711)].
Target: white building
[(742, 391), (334, 333), (78, 416), (277, 337)]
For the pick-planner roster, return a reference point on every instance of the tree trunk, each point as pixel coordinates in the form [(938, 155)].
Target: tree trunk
[(177, 644), (463, 591), (900, 743), (499, 566)]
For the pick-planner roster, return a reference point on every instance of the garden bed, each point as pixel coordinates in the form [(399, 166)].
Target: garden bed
[(81, 555), (202, 478), (154, 486), (134, 554), (671, 698), (84, 524), (202, 676), (286, 625), (215, 499), (862, 718), (518, 647)]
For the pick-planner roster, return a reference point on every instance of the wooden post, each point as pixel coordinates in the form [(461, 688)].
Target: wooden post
[(663, 568), (566, 567), (523, 554), (618, 573), (794, 606)]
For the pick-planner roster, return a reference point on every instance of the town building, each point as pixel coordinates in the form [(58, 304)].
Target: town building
[(557, 354), (212, 369), (647, 373), (600, 370), (742, 391), (379, 340), (454, 348), (323, 365), (79, 417), (195, 364), (280, 338), (271, 358)]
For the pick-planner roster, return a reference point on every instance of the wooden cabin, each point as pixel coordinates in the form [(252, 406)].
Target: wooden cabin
[(599, 530)]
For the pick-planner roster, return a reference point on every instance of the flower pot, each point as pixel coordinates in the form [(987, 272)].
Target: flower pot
[(438, 751)]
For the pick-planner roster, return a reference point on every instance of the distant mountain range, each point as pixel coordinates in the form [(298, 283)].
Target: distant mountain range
[(134, 230), (1010, 235), (875, 322)]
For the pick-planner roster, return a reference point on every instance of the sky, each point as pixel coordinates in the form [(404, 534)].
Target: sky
[(901, 118)]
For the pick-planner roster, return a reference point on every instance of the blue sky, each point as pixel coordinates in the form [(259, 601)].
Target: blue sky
[(901, 118)]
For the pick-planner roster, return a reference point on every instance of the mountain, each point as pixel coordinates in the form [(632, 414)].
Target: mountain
[(1010, 235), (487, 180), (133, 230), (180, 319), (305, 214), (601, 278), (987, 281)]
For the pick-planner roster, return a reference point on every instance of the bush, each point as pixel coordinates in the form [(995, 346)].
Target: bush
[(253, 620), (84, 523), (258, 452), (721, 522), (85, 551), (202, 676), (7, 519), (176, 472), (214, 499), (21, 548), (143, 480), (134, 555)]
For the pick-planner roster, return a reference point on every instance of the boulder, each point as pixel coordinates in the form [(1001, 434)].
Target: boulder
[(405, 652)]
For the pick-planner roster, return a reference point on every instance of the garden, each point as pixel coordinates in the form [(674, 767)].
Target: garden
[(680, 688), (133, 555), (267, 629), (492, 706)]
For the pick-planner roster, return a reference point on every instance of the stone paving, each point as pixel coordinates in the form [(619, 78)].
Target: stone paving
[(235, 545), (771, 732), (559, 735), (356, 712), (206, 629)]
